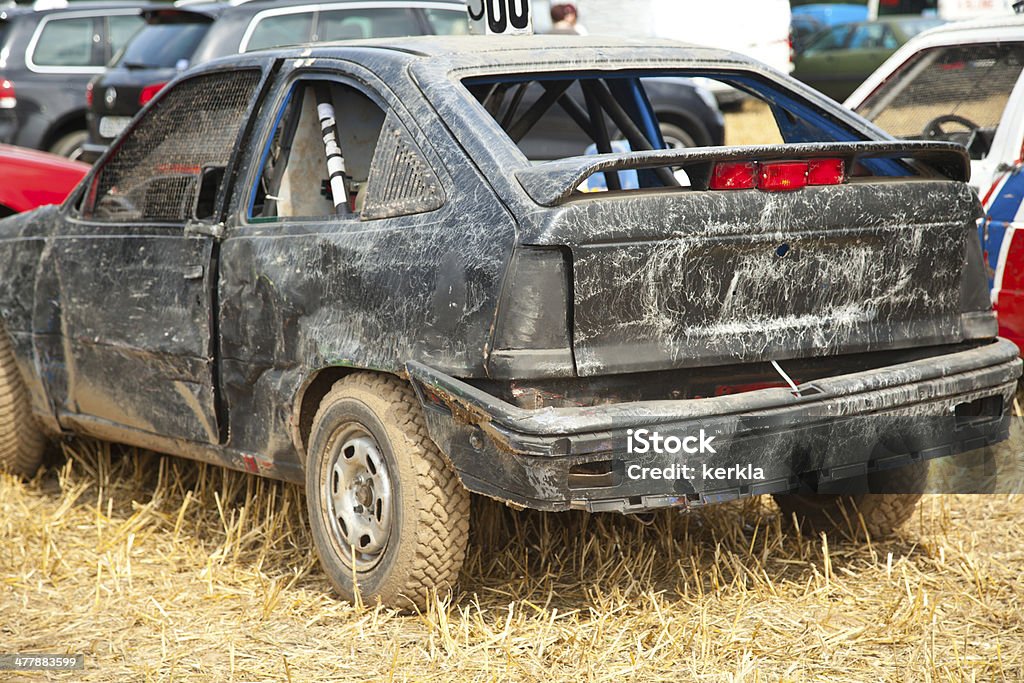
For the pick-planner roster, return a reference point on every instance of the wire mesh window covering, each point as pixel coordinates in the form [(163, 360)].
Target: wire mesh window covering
[(154, 175), (401, 180)]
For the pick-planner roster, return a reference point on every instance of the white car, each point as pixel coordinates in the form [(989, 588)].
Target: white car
[(963, 82)]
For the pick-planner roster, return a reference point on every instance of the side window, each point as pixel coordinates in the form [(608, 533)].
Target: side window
[(163, 169), (120, 28), (367, 23), (281, 29), (871, 37), (833, 39), (446, 22), (66, 42), (336, 152)]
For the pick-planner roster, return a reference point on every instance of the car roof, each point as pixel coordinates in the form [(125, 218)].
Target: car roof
[(82, 6), (1014, 23)]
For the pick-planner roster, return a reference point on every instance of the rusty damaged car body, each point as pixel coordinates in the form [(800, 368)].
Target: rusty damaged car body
[(334, 265)]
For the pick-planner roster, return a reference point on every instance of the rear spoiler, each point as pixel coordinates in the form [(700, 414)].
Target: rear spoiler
[(172, 14), (553, 182)]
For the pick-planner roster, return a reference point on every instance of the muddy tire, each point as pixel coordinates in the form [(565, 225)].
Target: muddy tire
[(879, 513), (389, 517), (21, 441)]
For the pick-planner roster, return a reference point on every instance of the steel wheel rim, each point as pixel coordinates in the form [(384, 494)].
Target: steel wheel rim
[(359, 498)]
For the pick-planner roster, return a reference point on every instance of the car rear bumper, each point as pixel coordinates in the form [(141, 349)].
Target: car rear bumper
[(833, 429)]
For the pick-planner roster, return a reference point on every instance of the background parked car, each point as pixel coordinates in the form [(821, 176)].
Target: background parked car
[(808, 20), (156, 54), (30, 179), (48, 57), (176, 37), (837, 60)]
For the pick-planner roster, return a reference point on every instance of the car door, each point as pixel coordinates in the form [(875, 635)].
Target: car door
[(136, 266)]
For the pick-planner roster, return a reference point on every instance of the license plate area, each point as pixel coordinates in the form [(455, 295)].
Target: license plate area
[(112, 126)]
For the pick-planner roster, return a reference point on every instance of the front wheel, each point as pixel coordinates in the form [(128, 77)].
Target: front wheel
[(390, 520)]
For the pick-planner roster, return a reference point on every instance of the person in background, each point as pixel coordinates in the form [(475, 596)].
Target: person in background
[(564, 20)]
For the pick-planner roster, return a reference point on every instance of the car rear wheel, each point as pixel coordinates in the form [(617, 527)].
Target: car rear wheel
[(390, 520), (21, 441), (675, 136), (70, 145), (880, 514)]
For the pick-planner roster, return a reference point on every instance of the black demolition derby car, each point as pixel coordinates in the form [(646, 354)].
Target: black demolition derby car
[(334, 265)]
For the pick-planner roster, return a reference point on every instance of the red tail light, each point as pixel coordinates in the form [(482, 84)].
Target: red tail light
[(777, 176), (88, 95), (782, 176), (740, 175), (8, 100), (149, 92), (826, 172)]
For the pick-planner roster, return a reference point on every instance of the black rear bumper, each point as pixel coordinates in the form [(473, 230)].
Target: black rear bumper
[(834, 429)]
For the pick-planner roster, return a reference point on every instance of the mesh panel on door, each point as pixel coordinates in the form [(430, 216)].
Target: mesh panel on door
[(154, 175)]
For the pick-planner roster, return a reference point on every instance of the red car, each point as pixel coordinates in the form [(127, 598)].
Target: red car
[(29, 179)]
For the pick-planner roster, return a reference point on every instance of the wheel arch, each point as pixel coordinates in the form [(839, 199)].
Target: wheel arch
[(307, 401)]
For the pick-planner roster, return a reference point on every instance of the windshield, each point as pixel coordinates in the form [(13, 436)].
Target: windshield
[(162, 45), (956, 93)]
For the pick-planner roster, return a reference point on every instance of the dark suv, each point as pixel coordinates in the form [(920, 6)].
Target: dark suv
[(50, 56), (177, 37)]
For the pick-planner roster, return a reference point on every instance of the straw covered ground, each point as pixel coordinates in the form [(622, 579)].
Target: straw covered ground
[(163, 569)]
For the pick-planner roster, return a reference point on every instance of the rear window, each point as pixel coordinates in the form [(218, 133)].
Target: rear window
[(121, 28), (281, 29), (955, 93), (66, 42), (163, 45), (555, 116)]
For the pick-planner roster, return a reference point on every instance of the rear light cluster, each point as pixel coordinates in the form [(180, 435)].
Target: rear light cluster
[(8, 100), (88, 94), (777, 176), (149, 92)]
